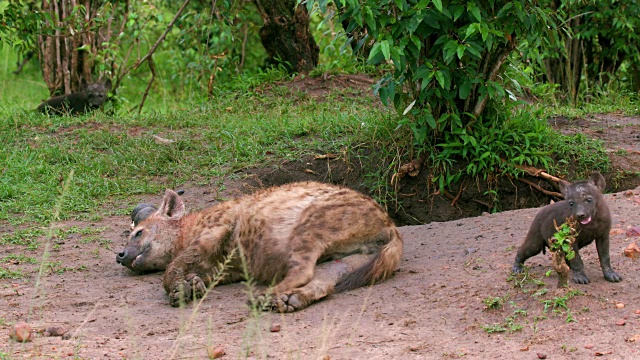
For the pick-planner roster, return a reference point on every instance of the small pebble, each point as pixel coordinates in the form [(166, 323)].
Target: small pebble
[(54, 331), (215, 352), (20, 332), (275, 328)]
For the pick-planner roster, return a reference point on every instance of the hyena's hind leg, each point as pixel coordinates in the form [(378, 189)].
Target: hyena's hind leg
[(321, 285)]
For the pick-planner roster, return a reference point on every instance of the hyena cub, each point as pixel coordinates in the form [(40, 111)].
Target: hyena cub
[(90, 97), (585, 203), (281, 233)]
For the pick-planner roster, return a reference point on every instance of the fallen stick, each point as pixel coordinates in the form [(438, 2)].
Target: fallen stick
[(539, 188)]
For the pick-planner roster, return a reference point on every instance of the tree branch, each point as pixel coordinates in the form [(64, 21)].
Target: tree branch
[(161, 38), (493, 73), (539, 188), (153, 77)]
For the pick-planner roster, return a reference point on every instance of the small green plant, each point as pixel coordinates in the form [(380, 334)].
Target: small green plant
[(558, 303), (561, 247), (491, 302), (493, 328), (509, 324), (564, 238), (10, 274), (19, 258), (524, 278)]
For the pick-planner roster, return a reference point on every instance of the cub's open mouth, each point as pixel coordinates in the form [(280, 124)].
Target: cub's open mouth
[(586, 221)]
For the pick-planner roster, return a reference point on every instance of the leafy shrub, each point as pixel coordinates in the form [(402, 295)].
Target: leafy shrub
[(447, 60)]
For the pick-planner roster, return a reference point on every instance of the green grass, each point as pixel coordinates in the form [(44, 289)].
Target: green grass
[(115, 157)]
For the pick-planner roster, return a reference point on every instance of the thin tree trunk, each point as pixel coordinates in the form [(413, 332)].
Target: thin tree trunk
[(286, 36)]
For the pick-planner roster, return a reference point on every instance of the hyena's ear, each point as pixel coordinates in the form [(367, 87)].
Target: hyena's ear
[(598, 180), (564, 185), (172, 206), (107, 85)]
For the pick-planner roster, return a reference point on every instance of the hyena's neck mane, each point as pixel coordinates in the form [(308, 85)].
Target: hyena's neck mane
[(212, 227)]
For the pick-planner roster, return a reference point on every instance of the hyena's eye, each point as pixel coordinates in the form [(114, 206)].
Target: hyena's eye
[(138, 233), (571, 203), (589, 200)]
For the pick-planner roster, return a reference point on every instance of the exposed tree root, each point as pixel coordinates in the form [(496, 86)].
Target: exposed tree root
[(412, 169)]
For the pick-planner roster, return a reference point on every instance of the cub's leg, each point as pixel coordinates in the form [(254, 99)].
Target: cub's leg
[(532, 245), (577, 267), (321, 285), (602, 244)]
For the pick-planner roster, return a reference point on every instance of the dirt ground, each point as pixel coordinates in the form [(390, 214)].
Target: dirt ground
[(434, 307), (453, 296)]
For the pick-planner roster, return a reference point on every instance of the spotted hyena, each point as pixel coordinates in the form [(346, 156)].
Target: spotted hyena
[(280, 234), (90, 97), (585, 203)]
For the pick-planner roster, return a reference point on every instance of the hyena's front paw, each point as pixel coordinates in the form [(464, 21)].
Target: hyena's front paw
[(183, 291), (580, 277), (612, 276), (517, 268)]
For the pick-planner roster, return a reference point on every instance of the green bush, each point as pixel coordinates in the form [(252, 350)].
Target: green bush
[(446, 84)]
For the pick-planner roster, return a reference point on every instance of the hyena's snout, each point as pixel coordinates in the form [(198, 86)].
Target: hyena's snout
[(121, 258), (582, 215)]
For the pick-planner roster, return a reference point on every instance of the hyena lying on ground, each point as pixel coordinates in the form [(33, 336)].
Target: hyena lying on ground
[(90, 97), (585, 203), (282, 232)]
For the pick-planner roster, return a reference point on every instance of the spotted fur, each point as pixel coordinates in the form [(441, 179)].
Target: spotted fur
[(280, 234)]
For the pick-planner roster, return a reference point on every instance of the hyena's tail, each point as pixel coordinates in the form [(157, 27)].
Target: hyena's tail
[(378, 269)]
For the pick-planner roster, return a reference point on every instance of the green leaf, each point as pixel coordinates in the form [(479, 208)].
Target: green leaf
[(473, 9), (438, 4), (484, 31), (431, 121), (460, 50), (472, 29), (384, 46), (570, 255), (440, 78), (465, 90), (375, 51), (409, 107)]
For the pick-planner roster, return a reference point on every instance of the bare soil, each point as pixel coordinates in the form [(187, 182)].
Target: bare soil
[(436, 305)]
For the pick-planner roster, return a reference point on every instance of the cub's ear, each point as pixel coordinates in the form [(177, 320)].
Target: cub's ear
[(107, 85), (564, 185), (172, 206), (83, 84), (598, 180)]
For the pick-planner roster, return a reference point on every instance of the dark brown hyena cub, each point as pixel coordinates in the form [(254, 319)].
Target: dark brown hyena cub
[(90, 97), (585, 203)]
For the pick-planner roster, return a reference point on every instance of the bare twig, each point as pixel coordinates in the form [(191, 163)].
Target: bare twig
[(153, 77), (463, 186), (149, 59), (539, 188), (495, 68), (537, 173)]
